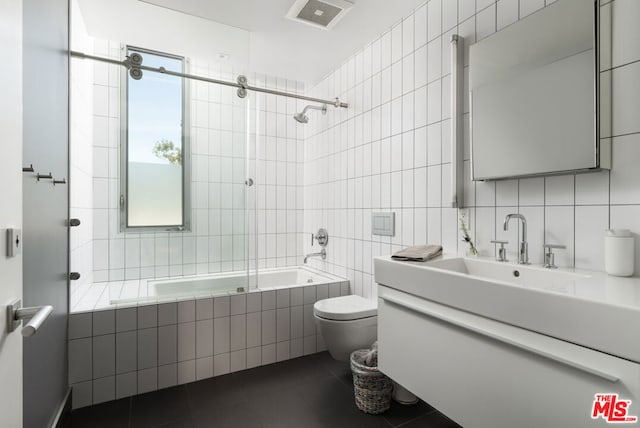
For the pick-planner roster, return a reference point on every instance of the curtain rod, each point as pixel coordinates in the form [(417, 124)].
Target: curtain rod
[(134, 65)]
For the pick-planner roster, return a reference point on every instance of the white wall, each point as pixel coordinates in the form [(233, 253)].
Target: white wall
[(11, 209), (390, 150), (276, 164), (81, 158)]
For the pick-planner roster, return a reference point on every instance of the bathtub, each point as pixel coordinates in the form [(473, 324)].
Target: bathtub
[(165, 321), (214, 285)]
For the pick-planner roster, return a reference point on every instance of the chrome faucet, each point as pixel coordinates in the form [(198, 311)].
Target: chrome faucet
[(322, 254), (523, 254), (323, 238)]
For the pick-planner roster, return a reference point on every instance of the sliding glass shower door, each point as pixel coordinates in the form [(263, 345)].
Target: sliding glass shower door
[(220, 176)]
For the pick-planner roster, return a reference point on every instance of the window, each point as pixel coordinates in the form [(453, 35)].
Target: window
[(155, 151)]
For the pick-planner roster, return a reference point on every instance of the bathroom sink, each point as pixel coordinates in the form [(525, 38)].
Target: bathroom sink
[(583, 307), (519, 275)]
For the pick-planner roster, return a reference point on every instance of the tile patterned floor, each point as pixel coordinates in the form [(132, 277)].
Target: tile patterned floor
[(307, 392)]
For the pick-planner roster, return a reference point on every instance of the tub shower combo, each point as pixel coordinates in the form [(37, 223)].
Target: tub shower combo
[(134, 333)]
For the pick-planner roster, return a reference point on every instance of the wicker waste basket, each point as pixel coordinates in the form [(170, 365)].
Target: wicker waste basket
[(372, 388)]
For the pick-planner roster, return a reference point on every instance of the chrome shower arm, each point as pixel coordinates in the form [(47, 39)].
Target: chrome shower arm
[(323, 108)]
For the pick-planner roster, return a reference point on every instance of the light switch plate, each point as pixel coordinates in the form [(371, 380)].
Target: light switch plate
[(14, 242), (383, 223)]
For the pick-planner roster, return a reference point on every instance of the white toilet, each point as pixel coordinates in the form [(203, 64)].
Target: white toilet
[(346, 323)]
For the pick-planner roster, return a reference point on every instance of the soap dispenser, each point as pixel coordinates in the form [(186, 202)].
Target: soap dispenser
[(619, 249)]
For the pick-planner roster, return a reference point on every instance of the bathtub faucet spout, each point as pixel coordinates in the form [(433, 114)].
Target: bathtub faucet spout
[(322, 254)]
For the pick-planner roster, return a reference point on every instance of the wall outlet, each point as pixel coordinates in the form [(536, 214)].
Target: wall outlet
[(14, 242)]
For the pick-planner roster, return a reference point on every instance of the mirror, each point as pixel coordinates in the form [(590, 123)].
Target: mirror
[(534, 96)]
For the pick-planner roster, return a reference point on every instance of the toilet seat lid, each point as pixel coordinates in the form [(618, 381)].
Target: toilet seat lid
[(345, 308)]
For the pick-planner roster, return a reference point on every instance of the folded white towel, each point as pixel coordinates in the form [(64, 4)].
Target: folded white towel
[(419, 253)]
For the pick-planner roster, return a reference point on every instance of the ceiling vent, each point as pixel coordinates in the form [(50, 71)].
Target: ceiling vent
[(319, 13)]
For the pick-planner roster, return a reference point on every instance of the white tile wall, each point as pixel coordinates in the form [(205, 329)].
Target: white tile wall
[(81, 162), (390, 150), (135, 350), (223, 128), (276, 163)]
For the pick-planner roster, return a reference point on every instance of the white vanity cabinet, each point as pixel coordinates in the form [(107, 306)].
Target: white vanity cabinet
[(484, 373)]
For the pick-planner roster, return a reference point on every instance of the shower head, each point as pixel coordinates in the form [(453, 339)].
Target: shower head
[(303, 118)]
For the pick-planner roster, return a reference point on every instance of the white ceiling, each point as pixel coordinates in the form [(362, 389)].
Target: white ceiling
[(135, 23), (284, 48)]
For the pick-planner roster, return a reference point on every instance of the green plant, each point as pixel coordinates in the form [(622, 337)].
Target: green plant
[(465, 233), (167, 150)]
